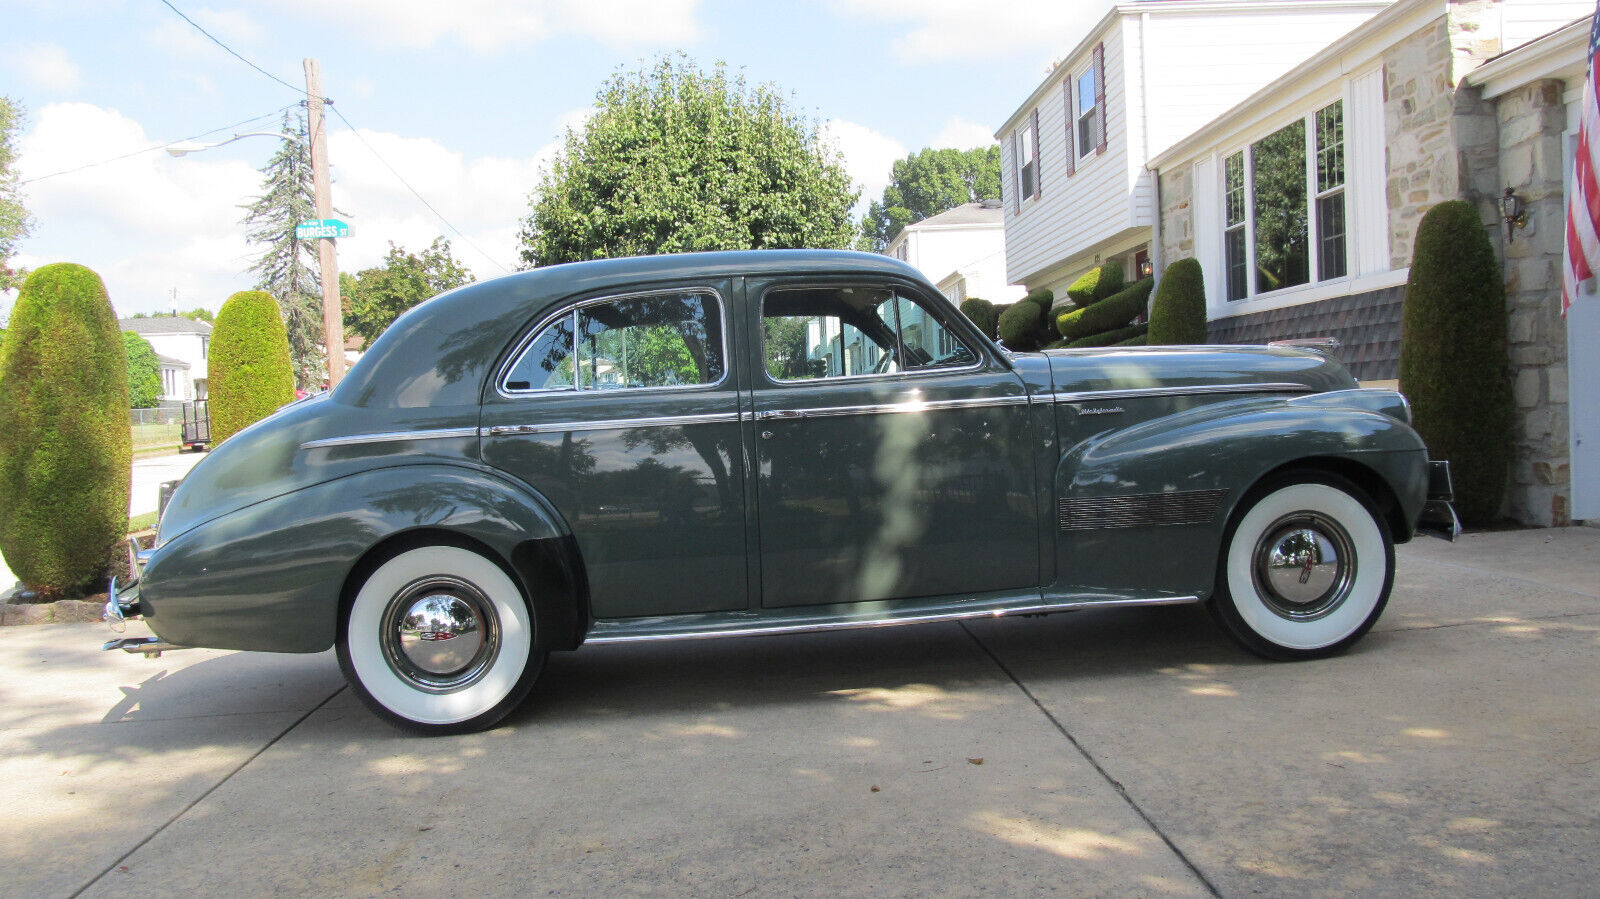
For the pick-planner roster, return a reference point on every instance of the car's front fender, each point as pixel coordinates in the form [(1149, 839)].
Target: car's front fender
[(269, 576)]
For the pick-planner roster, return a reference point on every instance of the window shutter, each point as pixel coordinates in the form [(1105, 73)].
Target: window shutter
[(1038, 154), (1100, 96), (1072, 124)]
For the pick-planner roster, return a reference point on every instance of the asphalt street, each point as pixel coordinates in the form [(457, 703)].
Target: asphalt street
[(1455, 750)]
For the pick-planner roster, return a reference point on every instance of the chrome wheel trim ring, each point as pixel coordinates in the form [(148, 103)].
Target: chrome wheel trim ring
[(1304, 566), (422, 624)]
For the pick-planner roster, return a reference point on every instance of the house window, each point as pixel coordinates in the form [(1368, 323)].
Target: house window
[(1088, 121), (1270, 191), (1028, 157)]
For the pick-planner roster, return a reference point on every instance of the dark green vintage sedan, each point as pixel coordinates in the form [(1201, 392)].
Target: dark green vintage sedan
[(731, 444)]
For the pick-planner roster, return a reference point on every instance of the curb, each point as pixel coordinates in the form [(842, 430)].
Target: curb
[(78, 611)]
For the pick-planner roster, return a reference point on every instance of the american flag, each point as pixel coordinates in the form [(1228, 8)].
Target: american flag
[(1582, 256)]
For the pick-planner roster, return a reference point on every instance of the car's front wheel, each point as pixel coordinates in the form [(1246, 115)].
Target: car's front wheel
[(440, 640), (1306, 568)]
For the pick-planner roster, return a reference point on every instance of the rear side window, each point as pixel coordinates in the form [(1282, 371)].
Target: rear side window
[(843, 332), (670, 339)]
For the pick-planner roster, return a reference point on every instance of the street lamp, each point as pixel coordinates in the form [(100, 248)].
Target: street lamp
[(185, 147)]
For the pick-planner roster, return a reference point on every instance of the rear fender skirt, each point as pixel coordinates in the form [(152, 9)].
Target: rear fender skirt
[(268, 576)]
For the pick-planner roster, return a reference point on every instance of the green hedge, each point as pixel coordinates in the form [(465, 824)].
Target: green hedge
[(1024, 326), (1110, 338), (1098, 284), (64, 439), (1178, 312), (250, 372), (1113, 312), (1141, 340), (982, 313), (1453, 359)]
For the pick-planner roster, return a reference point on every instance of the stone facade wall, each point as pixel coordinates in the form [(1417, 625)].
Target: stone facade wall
[(1531, 122), (1177, 214)]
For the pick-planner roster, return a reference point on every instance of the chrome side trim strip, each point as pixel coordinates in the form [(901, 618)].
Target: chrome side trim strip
[(561, 427), (964, 614), (882, 408), (1094, 396), (389, 437)]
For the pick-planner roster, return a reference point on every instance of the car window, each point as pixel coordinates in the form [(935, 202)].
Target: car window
[(652, 340), (841, 332)]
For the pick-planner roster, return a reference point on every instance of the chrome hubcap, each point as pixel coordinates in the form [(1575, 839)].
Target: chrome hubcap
[(1304, 566), (440, 634)]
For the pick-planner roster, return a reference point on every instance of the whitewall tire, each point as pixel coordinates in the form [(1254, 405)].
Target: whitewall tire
[(1306, 568), (439, 639)]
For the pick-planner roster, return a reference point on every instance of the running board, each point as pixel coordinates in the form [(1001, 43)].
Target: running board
[(745, 624)]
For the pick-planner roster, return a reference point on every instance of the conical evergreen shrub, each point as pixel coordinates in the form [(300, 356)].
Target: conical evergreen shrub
[(65, 440), (251, 375), (1178, 312), (1453, 359)]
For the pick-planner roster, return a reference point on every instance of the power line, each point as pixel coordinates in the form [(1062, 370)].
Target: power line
[(230, 50), (90, 165), (413, 190)]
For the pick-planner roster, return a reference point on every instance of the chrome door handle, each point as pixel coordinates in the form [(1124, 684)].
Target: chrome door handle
[(781, 415)]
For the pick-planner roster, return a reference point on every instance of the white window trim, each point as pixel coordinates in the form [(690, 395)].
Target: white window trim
[(1083, 150), (1026, 199)]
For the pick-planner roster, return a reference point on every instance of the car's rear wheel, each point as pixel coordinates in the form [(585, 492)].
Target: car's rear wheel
[(1306, 568), (440, 640)]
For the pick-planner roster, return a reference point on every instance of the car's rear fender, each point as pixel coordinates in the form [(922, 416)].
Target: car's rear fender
[(1150, 502), (271, 576)]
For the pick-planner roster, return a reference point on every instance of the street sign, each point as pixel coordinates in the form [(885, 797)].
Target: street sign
[(315, 228)]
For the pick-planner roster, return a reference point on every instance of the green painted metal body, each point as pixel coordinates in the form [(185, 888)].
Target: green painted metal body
[(751, 502)]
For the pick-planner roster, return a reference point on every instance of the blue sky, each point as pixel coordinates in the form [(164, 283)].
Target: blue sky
[(467, 99)]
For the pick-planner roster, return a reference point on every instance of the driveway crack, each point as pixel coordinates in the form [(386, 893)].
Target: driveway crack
[(209, 790), (1095, 763)]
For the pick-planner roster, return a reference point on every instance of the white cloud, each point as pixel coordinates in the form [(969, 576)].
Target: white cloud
[(961, 29), (869, 156), (232, 26), (962, 134), (497, 24), (45, 66)]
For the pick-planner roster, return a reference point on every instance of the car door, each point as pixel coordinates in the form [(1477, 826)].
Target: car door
[(893, 452), (622, 411)]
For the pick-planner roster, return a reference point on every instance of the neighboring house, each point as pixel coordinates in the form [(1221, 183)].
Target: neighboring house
[(1429, 101), (175, 380), (962, 250), (1077, 191), (180, 340)]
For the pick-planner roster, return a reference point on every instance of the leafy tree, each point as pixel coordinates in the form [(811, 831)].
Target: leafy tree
[(15, 223), (927, 183), (287, 267), (249, 367), (65, 446), (200, 314), (144, 372), (375, 297), (1453, 357), (678, 160)]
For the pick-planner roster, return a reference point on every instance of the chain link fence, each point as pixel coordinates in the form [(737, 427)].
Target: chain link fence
[(156, 427)]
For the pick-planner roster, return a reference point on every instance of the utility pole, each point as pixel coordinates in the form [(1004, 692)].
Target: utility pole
[(332, 309)]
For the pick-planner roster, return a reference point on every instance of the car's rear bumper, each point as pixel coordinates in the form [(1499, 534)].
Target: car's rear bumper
[(1438, 517)]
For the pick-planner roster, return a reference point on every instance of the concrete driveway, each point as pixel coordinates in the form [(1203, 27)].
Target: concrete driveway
[(1122, 752)]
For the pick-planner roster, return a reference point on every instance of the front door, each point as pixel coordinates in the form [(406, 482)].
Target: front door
[(893, 451)]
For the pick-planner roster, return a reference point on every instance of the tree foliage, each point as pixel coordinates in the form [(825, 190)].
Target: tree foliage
[(375, 297), (1178, 312), (927, 183), (199, 314), (287, 267), (144, 371), (1453, 357), (678, 160), (15, 222), (249, 366), (65, 445)]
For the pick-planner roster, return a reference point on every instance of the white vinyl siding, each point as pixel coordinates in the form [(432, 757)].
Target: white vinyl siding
[(1524, 20), (1368, 192)]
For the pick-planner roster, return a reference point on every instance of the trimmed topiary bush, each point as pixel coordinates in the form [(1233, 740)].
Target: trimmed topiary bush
[(1141, 340), (1095, 286), (1108, 314), (250, 372), (65, 444), (1024, 326), (1178, 312), (144, 372), (1110, 338), (981, 313), (1453, 357)]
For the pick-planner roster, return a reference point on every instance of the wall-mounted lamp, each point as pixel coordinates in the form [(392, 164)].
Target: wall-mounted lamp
[(1511, 210), (1146, 269)]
